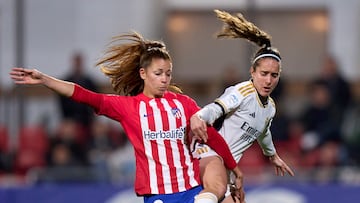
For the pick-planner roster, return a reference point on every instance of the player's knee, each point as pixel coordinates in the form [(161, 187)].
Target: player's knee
[(218, 187)]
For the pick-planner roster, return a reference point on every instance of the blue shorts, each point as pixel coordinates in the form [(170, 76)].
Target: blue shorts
[(180, 197)]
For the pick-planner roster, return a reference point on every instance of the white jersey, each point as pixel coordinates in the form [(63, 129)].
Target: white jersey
[(247, 120)]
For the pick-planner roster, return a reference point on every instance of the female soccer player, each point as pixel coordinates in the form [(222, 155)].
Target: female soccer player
[(244, 111), (155, 120)]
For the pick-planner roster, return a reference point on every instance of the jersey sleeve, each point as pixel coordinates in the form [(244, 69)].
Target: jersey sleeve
[(88, 97), (228, 101), (266, 143), (103, 104), (218, 144), (191, 105)]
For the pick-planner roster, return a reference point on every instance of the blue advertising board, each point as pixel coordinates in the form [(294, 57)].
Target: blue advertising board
[(105, 193)]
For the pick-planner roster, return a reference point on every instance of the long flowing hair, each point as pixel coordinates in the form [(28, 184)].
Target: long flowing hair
[(236, 26), (122, 62)]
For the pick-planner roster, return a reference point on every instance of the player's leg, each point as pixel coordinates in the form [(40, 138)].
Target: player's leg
[(214, 180)]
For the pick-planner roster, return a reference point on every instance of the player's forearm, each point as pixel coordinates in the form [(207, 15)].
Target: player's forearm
[(237, 172), (59, 86), (210, 113)]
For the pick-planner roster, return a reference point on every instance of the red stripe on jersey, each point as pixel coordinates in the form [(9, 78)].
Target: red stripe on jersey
[(169, 150), (170, 161), (180, 145), (159, 172), (185, 169), (155, 151)]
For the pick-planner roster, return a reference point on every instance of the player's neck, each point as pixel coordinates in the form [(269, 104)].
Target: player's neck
[(264, 100)]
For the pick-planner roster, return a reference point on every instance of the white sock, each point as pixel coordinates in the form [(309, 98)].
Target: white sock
[(206, 197)]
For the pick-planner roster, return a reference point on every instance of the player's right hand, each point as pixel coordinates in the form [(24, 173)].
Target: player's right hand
[(198, 128)]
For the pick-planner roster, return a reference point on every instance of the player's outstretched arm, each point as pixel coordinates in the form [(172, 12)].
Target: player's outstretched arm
[(25, 76), (280, 166)]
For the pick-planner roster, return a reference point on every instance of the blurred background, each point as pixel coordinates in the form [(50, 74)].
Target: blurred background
[(53, 150)]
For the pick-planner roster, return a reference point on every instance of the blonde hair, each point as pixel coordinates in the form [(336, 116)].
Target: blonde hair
[(236, 26), (122, 62)]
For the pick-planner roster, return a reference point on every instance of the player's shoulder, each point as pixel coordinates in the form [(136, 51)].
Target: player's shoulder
[(245, 88), (272, 102), (178, 96)]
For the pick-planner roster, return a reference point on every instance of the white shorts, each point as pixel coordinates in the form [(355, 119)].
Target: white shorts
[(200, 150)]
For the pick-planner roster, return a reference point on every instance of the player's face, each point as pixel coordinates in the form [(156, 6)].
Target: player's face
[(266, 76), (156, 77)]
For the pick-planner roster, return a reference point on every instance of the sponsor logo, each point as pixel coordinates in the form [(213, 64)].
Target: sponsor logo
[(174, 134), (250, 134), (252, 114)]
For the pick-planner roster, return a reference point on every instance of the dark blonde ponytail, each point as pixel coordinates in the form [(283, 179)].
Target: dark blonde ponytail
[(122, 62), (236, 26)]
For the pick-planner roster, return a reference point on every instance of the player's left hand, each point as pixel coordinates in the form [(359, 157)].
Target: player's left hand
[(237, 188), (26, 76), (280, 166), (237, 194)]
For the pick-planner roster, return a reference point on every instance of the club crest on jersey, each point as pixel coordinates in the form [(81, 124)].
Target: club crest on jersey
[(148, 115), (176, 112)]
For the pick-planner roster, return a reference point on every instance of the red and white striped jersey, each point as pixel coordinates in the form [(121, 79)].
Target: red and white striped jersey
[(157, 129)]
